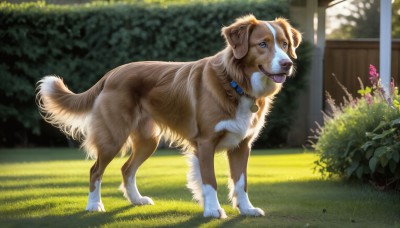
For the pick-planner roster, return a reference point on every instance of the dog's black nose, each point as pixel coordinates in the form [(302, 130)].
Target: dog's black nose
[(286, 64)]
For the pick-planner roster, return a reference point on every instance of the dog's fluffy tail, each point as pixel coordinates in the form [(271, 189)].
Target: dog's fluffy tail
[(64, 109)]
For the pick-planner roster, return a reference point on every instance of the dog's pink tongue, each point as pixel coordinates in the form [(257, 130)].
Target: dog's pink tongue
[(279, 78)]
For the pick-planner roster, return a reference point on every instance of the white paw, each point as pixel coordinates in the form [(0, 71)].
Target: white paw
[(253, 211), (215, 213), (144, 200), (95, 206)]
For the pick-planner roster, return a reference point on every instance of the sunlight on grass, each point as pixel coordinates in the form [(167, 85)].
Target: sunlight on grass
[(39, 188)]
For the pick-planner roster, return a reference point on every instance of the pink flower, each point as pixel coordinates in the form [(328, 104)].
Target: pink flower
[(372, 70), (373, 75)]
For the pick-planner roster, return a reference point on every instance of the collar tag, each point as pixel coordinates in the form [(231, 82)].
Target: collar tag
[(254, 108)]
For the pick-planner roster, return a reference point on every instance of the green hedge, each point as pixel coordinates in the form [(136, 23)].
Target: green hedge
[(82, 42)]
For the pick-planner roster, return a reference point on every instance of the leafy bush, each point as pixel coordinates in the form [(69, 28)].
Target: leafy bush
[(361, 138), (82, 42)]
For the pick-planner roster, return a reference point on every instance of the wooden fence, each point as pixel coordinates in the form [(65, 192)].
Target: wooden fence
[(349, 59)]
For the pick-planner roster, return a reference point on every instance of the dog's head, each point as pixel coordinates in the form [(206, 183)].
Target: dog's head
[(264, 47)]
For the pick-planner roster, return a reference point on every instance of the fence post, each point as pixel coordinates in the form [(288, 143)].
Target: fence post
[(385, 43)]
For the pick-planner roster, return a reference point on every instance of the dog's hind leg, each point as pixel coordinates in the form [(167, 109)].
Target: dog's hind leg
[(144, 142), (108, 152), (108, 132)]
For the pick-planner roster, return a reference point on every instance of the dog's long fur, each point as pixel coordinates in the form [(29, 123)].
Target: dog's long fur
[(192, 104)]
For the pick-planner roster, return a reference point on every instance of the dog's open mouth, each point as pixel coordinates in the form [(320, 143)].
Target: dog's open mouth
[(278, 78)]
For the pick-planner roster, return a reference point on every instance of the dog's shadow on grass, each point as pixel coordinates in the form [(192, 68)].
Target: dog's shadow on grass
[(195, 219)]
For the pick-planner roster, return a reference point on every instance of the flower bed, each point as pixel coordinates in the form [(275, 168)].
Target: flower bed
[(361, 137)]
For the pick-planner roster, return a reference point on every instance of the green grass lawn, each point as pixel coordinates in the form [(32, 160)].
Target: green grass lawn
[(49, 188)]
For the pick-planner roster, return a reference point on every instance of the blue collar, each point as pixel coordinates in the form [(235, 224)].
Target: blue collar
[(254, 107), (235, 86)]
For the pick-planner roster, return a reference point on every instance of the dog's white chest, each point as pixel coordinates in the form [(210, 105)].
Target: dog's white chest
[(238, 128)]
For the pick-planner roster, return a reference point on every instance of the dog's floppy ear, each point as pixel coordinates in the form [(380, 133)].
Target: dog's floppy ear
[(237, 35), (296, 35), (292, 34)]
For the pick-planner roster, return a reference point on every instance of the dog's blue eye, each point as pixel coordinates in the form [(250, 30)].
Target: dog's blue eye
[(285, 44), (263, 44)]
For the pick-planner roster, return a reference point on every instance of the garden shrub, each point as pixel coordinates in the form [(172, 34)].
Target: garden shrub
[(360, 139), (81, 43)]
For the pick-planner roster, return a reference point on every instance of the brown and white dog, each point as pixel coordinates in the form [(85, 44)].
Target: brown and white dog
[(216, 103)]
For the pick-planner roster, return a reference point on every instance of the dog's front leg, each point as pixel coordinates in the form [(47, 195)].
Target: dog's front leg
[(212, 208), (238, 159)]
